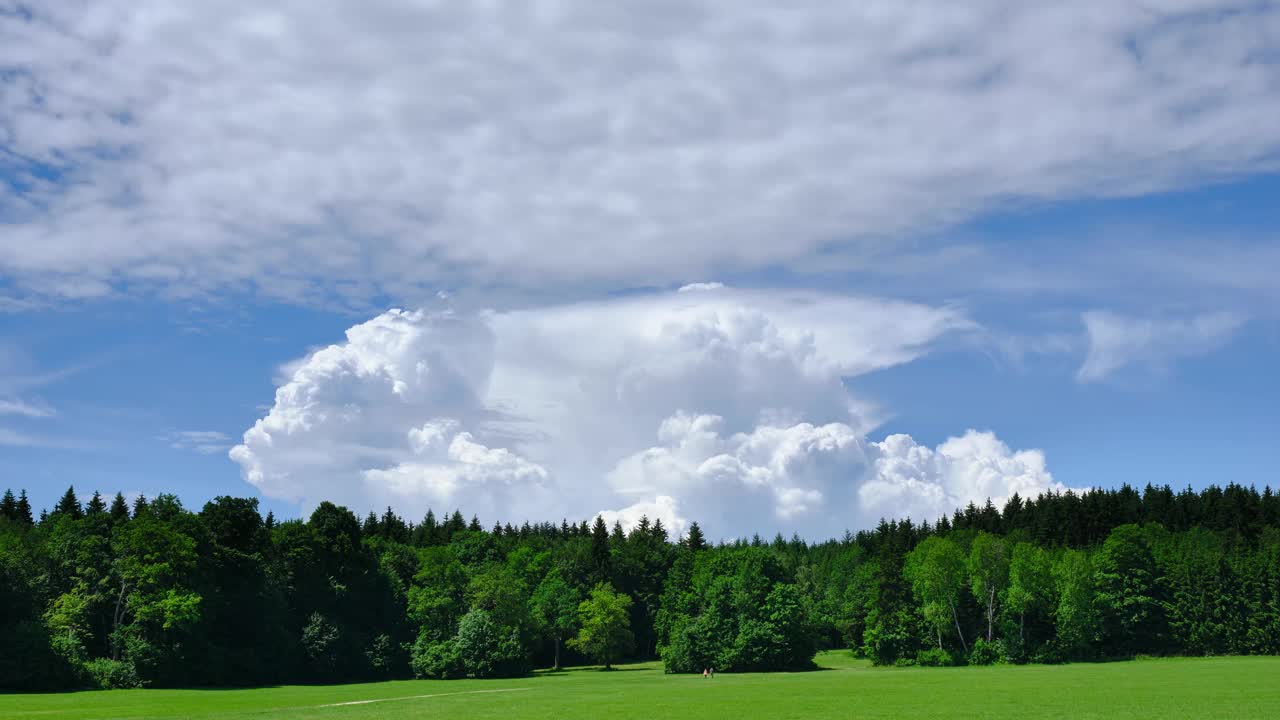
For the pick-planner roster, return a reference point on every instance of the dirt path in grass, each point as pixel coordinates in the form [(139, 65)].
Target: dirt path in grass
[(419, 697)]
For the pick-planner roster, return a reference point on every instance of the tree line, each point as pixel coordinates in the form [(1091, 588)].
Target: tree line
[(118, 594)]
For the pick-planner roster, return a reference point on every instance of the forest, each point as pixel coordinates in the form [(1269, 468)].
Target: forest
[(113, 594)]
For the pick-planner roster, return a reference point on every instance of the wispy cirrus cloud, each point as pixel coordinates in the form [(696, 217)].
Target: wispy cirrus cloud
[(1117, 341), (23, 408), (205, 442)]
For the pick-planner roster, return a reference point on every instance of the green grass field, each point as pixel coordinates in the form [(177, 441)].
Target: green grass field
[(846, 688)]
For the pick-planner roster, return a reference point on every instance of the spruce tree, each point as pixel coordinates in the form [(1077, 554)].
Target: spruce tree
[(69, 505), (24, 509), (601, 559), (694, 540), (96, 505), (658, 532), (119, 508), (140, 505), (9, 506)]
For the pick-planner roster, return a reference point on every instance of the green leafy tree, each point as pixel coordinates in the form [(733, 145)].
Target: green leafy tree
[(605, 625), (153, 596), (1128, 591), (936, 571), (1075, 616), (486, 649), (1030, 589), (554, 607), (988, 574)]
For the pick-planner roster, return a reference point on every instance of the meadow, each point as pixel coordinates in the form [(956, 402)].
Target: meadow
[(1228, 687)]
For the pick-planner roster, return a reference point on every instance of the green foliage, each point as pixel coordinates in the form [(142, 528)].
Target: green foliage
[(734, 610), (1030, 593), (935, 569), (1128, 593), (321, 641), (101, 595), (1075, 615), (554, 610), (486, 649), (988, 574), (986, 653), (438, 660), (604, 620), (108, 674), (935, 657)]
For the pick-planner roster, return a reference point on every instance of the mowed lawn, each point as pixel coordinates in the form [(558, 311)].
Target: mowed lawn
[(847, 688)]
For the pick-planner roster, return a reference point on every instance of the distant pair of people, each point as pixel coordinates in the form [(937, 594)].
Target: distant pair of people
[(708, 672)]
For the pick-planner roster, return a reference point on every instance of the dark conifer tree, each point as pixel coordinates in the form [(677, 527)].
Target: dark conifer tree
[(96, 505), (119, 508), (24, 509), (694, 540), (601, 559), (69, 505), (658, 532), (9, 506)]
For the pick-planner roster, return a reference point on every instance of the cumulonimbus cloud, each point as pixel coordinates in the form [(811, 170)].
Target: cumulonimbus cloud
[(385, 146), (713, 404)]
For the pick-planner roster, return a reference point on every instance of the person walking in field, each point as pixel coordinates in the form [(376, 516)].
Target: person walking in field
[(704, 673), (713, 673)]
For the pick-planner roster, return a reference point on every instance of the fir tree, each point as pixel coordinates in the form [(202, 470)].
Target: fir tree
[(601, 559), (658, 532), (69, 505), (96, 505), (119, 508), (24, 509), (694, 539), (9, 506)]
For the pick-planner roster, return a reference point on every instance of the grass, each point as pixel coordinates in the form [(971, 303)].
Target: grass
[(1235, 687)]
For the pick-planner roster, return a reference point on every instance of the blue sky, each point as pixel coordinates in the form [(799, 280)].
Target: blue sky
[(923, 292)]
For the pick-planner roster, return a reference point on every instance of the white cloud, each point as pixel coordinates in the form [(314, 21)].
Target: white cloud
[(1117, 341), (450, 469), (911, 479), (728, 407), (663, 507), (384, 147), (799, 476), (205, 442), (21, 408)]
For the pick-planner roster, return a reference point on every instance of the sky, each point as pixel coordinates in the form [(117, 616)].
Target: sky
[(772, 268)]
